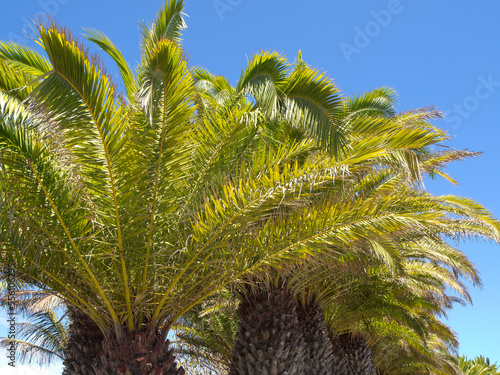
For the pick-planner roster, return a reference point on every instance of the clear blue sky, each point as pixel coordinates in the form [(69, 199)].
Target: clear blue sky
[(444, 53)]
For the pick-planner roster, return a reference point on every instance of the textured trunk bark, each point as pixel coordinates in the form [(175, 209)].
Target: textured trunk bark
[(359, 356), (139, 353), (84, 345), (142, 353), (269, 340), (340, 365), (319, 350)]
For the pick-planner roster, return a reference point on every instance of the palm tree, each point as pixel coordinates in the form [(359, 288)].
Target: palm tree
[(477, 366), (205, 336), (111, 203), (42, 338), (136, 210), (381, 317), (275, 94), (399, 350), (365, 128)]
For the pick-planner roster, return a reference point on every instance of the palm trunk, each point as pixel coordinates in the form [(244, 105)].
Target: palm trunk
[(269, 340), (142, 353), (319, 350), (139, 353), (84, 344), (359, 356), (340, 365)]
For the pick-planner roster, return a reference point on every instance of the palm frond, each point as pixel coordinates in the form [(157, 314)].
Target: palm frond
[(108, 47)]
